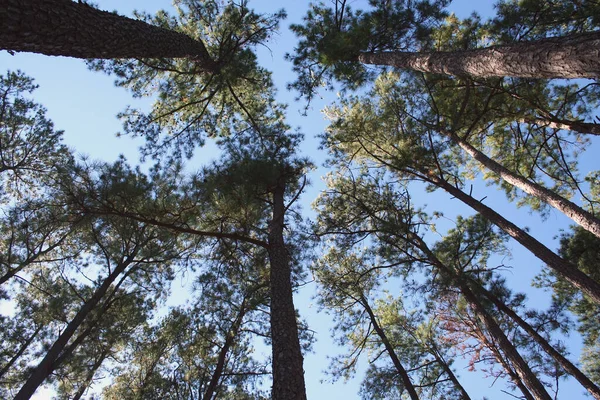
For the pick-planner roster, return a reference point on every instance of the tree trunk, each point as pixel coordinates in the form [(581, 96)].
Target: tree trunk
[(229, 339), (391, 353), (75, 29), (440, 359), (574, 56), (582, 217), (90, 376), (564, 268), (521, 368), (48, 363), (589, 128), (288, 372), (548, 348), (22, 349)]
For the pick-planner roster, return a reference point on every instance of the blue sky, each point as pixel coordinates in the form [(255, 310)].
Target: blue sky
[(84, 104)]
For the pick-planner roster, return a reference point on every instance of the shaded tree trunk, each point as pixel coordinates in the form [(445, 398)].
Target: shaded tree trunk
[(564, 268), (548, 348), (75, 29), (574, 56), (49, 362), (222, 357), (19, 353), (90, 375), (582, 217), (288, 372), (440, 359), (390, 350)]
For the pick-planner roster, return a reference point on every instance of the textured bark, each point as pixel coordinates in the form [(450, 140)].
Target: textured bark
[(521, 368), (67, 28), (588, 128), (288, 372), (564, 268), (49, 363), (582, 217), (391, 353), (574, 56), (539, 339)]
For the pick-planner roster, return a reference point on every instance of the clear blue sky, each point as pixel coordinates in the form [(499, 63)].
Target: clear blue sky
[(84, 104)]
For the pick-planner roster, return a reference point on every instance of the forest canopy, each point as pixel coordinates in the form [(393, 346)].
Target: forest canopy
[(447, 248)]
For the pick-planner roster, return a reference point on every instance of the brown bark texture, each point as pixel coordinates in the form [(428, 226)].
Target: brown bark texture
[(564, 268), (573, 56), (583, 218), (67, 28), (539, 339), (288, 372)]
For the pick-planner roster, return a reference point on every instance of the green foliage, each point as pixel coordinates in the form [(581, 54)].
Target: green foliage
[(332, 38), (191, 103), (30, 148)]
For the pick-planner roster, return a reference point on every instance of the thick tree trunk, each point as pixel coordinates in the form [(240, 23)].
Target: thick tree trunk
[(288, 372), (574, 56), (582, 217), (412, 392), (558, 264), (492, 327), (75, 29), (539, 339), (48, 363)]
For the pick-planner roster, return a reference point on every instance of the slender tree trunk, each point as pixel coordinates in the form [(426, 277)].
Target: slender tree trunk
[(492, 327), (440, 359), (90, 376), (231, 336), (48, 363), (412, 392), (574, 56), (288, 372), (589, 128), (539, 339), (22, 349), (582, 217), (564, 268), (75, 29)]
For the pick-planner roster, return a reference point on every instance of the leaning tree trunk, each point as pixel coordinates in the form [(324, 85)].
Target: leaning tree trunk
[(509, 350), (587, 128), (564, 268), (440, 359), (582, 217), (567, 365), (288, 372), (408, 385), (49, 363), (75, 29), (574, 56)]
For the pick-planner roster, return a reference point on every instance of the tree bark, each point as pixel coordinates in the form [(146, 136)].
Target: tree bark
[(548, 348), (391, 353), (75, 29), (564, 268), (574, 56), (588, 128), (288, 372), (90, 376), (48, 363), (521, 368), (582, 217), (440, 359)]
